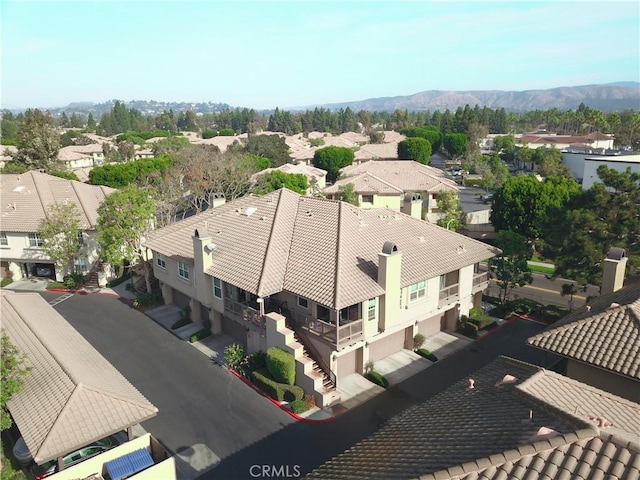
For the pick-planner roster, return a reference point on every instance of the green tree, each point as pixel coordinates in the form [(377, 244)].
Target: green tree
[(510, 267), (332, 159), (415, 148), (38, 142), (125, 219), (9, 128), (64, 120), (276, 180), (59, 231), (272, 147), (569, 289), (505, 146), (169, 145), (91, 123), (13, 375), (348, 194), (607, 215), (524, 203), (453, 216), (455, 144), (75, 121)]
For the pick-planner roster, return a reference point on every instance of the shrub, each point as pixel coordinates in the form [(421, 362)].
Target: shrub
[(281, 365), (209, 134), (233, 355), (146, 299), (483, 323), (6, 281), (280, 391), (226, 132), (52, 285), (299, 406), (418, 341), (377, 378), (316, 142), (423, 352), (469, 329), (369, 366), (180, 323), (117, 281), (73, 280), (199, 335), (251, 363)]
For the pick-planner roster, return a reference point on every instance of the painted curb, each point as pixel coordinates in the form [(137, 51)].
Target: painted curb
[(276, 403)]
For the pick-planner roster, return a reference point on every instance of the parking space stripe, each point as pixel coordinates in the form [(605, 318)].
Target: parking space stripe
[(60, 299)]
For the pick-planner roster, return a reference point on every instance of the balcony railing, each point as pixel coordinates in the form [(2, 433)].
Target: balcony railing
[(448, 295), (340, 336), (241, 312), (480, 278)]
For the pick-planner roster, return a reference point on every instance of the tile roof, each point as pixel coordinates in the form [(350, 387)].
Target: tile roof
[(497, 430), (27, 197), (404, 175), (78, 152), (605, 334), (321, 249), (377, 151), (292, 168), (365, 182), (73, 395)]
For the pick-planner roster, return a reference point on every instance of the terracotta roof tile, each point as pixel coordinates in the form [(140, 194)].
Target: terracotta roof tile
[(73, 395)]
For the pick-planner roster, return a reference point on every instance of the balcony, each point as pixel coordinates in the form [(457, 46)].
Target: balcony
[(243, 313), (339, 336), (480, 281), (448, 295)]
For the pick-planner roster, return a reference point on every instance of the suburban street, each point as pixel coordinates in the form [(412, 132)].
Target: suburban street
[(201, 403)]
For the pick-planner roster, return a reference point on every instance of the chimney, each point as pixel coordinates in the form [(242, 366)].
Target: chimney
[(412, 205), (217, 199), (389, 274), (203, 249), (615, 264)]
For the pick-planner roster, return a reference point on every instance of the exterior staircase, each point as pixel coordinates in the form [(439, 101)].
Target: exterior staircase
[(328, 383), (92, 276)]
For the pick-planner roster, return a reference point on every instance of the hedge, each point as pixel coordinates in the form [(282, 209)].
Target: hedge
[(423, 352), (117, 281), (469, 329), (52, 285), (6, 281), (378, 379), (199, 335), (299, 406), (281, 365), (280, 391)]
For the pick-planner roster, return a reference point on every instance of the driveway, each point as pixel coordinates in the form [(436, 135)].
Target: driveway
[(198, 401), (201, 403)]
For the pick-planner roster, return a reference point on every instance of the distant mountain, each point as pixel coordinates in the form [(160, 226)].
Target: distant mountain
[(611, 97)]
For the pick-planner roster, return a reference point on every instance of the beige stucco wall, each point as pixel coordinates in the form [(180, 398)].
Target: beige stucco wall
[(392, 202), (610, 382), (169, 277)]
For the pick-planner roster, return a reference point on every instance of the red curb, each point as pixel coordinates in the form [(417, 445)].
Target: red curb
[(276, 403)]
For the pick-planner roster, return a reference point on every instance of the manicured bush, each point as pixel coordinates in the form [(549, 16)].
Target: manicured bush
[(6, 281), (483, 323), (279, 391), (418, 341), (281, 365), (209, 134), (377, 378), (251, 363), (233, 355), (180, 323), (299, 406), (199, 335), (423, 352), (469, 329), (226, 132)]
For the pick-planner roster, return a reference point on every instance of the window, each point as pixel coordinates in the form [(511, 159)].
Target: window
[(443, 282), (183, 270), (372, 309), (161, 260), (80, 239), (367, 198), (217, 287), (82, 265), (35, 240), (3, 239), (323, 313), (303, 302), (350, 314), (417, 290)]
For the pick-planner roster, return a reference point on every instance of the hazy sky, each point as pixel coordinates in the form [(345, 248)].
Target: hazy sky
[(265, 54)]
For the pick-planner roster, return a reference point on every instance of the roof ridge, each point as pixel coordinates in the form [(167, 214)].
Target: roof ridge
[(145, 406), (81, 203), (337, 279), (279, 193), (40, 199)]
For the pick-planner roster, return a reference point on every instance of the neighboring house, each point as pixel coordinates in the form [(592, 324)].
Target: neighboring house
[(74, 157), (601, 341), (73, 396), (509, 420), (354, 285), (545, 139), (7, 153), (390, 184), (316, 177), (620, 163), (144, 153), (26, 199)]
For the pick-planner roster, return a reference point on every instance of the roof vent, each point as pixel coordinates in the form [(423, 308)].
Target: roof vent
[(506, 380), (472, 384), (588, 308), (461, 249), (544, 433), (248, 211), (616, 253), (601, 421), (614, 305), (389, 248), (18, 188), (529, 419), (422, 239)]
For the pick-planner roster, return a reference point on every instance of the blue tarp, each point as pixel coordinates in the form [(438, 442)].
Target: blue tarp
[(129, 464)]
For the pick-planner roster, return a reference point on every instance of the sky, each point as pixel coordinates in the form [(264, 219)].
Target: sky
[(262, 54)]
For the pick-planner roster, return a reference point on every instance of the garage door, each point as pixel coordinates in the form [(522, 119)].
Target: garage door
[(233, 328), (386, 346), (346, 364), (180, 299), (430, 326)]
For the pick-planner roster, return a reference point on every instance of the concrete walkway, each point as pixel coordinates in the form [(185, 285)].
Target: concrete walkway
[(401, 365)]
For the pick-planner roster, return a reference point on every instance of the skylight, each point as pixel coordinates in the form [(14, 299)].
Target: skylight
[(248, 211)]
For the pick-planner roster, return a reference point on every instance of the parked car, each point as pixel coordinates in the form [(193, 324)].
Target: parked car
[(487, 197), (23, 456)]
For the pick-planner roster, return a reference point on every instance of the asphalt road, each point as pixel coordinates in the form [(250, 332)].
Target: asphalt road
[(202, 403)]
